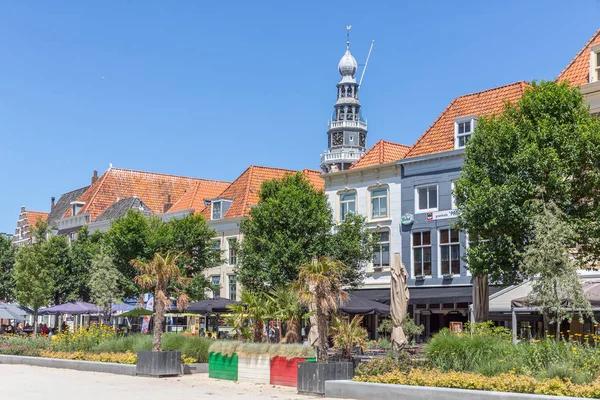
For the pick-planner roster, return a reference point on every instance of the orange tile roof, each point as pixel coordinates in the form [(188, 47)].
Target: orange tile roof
[(244, 190), (381, 152), (578, 70), (439, 137), (34, 216), (194, 199), (152, 188)]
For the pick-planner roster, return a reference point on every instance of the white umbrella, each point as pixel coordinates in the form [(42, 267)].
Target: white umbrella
[(398, 302)]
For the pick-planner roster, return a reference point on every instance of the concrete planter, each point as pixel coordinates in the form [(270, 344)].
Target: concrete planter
[(158, 363), (312, 376), (254, 369), (223, 367), (368, 391)]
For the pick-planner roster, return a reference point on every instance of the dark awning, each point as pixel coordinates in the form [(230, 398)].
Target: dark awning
[(217, 305), (425, 295), (363, 306)]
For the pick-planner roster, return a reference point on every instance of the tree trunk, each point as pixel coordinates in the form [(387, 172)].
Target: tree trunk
[(322, 346), (35, 322), (481, 298), (158, 323), (291, 334), (259, 328)]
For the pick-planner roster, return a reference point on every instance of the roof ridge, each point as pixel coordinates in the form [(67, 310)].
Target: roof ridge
[(394, 143), (520, 83), (163, 174), (594, 36)]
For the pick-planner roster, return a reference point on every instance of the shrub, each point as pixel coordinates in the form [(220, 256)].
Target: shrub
[(192, 347), (119, 358), (226, 348), (120, 344), (288, 351), (82, 340)]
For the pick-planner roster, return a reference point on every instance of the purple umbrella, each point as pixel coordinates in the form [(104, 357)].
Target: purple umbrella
[(73, 308)]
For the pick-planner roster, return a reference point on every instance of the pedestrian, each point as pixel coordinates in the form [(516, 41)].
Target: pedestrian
[(271, 333)]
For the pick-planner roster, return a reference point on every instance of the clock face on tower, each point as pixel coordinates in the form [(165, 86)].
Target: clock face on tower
[(337, 139), (362, 140)]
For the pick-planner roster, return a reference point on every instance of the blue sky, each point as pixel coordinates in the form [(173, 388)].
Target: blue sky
[(205, 89)]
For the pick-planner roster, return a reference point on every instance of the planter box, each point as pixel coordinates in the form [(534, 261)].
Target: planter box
[(284, 372), (254, 369), (223, 367), (158, 363), (312, 376)]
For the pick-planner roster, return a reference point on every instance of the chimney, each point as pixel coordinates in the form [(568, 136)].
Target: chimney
[(95, 177), (168, 204), (52, 203)]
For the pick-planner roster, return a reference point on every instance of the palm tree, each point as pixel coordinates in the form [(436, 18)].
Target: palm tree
[(320, 289), (237, 319), (158, 274), (257, 309), (348, 335), (286, 306)]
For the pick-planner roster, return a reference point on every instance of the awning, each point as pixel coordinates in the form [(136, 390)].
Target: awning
[(591, 289), (363, 306), (217, 305), (425, 294)]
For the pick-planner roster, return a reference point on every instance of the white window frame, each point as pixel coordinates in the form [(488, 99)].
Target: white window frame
[(212, 210), (449, 244), (340, 202), (229, 286), (417, 198), (212, 283), (412, 253), (389, 243), (372, 199), (472, 120), (595, 64), (452, 197), (230, 249)]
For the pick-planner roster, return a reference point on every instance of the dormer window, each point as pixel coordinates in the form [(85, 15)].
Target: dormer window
[(595, 64), (219, 208), (76, 206), (463, 128)]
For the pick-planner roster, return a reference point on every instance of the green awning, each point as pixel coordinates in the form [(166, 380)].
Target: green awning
[(137, 312)]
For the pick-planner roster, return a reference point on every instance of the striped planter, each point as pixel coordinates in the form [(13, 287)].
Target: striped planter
[(223, 367), (284, 372), (254, 369)]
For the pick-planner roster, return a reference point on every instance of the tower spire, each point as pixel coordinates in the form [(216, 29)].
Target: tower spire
[(347, 131)]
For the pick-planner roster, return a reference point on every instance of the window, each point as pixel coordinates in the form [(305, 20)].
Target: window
[(462, 132), (347, 204), (232, 287), (232, 251), (421, 246), (379, 208), (75, 208), (72, 237), (215, 280), (597, 66), (427, 198), (217, 244), (216, 210), (381, 253), (450, 251)]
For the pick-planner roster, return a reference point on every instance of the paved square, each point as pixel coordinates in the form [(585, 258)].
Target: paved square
[(25, 382)]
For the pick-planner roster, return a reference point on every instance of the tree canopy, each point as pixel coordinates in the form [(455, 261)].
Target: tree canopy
[(292, 224), (8, 252), (545, 147)]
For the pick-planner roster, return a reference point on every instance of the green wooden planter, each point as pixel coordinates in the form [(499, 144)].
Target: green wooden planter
[(223, 367)]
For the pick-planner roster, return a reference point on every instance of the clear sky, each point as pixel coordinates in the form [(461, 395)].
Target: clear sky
[(204, 89)]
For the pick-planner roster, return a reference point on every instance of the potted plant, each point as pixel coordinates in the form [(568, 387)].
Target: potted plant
[(348, 336), (420, 277), (320, 287), (448, 276), (158, 275)]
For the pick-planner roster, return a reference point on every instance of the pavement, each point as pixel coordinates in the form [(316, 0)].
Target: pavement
[(27, 382)]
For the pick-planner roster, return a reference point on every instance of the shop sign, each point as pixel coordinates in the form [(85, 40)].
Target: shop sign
[(407, 219), (434, 216)]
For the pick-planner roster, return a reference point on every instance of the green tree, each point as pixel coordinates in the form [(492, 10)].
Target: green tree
[(291, 224), (81, 253), (33, 275), (8, 252), (257, 307), (105, 283), (55, 252), (159, 275), (285, 302), (136, 236), (549, 258), (546, 146)]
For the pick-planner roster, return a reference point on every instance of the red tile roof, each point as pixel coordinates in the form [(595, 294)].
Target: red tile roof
[(152, 188), (34, 216), (382, 152), (244, 190), (578, 70), (439, 137), (194, 199)]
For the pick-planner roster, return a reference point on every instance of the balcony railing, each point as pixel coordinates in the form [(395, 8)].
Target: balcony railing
[(347, 124), (346, 156)]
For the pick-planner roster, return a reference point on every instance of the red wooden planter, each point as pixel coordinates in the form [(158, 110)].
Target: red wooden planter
[(284, 372)]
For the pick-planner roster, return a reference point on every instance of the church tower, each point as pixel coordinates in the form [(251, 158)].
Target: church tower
[(347, 131)]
